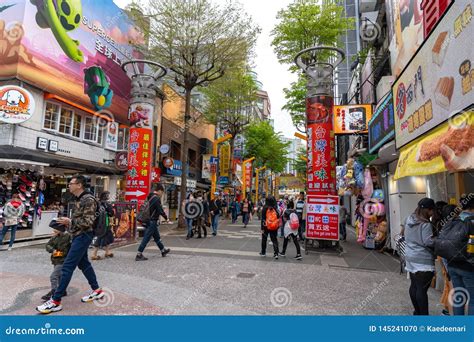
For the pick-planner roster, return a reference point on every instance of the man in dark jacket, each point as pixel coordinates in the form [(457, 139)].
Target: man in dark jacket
[(215, 208), (80, 226), (151, 227)]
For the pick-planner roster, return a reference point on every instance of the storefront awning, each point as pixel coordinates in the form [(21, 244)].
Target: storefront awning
[(449, 147), (22, 164)]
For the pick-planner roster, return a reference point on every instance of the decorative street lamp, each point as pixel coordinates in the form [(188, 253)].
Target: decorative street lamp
[(318, 63), (145, 90)]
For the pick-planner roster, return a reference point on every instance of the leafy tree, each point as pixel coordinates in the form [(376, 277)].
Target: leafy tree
[(295, 102), (230, 102), (300, 164), (267, 146), (198, 41)]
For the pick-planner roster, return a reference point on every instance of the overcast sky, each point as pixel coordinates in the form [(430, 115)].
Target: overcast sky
[(273, 75)]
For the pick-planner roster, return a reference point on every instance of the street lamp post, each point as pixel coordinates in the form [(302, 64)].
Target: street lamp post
[(318, 63), (144, 92)]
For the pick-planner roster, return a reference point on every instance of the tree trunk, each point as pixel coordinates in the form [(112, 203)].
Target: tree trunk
[(184, 156)]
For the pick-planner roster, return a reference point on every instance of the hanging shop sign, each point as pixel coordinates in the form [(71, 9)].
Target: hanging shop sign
[(206, 166), (164, 149), (321, 174), (156, 175), (406, 31), (17, 105), (438, 83), (168, 162), (121, 161), (322, 217), (139, 164), (382, 124), (111, 136), (352, 119), (74, 50), (224, 160), (190, 183), (449, 147), (248, 175)]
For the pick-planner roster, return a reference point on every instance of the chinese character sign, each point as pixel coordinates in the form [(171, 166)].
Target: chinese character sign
[(321, 172), (248, 176), (322, 217), (139, 164), (224, 159)]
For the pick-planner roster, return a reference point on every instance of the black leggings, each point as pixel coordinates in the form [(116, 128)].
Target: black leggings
[(420, 283), (295, 240), (273, 237)]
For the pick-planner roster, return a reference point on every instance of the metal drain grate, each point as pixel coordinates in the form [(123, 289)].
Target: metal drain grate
[(245, 275)]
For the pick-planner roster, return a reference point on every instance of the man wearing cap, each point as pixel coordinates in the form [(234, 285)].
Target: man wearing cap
[(420, 258), (215, 208)]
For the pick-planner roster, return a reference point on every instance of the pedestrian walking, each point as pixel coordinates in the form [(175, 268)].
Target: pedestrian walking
[(106, 240), (452, 246), (80, 226), (202, 219), (233, 210), (246, 212), (342, 220), (300, 208), (215, 208), (58, 246), (152, 226), (188, 211), (419, 254), (291, 222), (269, 225), (12, 212)]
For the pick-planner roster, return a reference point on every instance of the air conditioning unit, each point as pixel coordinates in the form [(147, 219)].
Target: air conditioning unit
[(384, 86)]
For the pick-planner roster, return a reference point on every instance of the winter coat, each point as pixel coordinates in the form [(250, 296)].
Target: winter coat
[(61, 244), (419, 240), (12, 211), (84, 214)]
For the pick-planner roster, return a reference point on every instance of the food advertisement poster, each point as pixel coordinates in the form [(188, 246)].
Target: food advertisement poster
[(74, 50), (123, 223), (405, 19), (352, 119), (449, 147), (322, 217), (439, 81)]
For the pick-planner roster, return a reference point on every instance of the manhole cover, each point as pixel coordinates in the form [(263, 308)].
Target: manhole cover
[(245, 275)]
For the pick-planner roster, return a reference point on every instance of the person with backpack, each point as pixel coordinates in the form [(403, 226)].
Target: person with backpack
[(81, 226), (12, 212), (269, 225), (154, 210), (215, 209), (451, 245), (300, 206), (291, 223), (108, 238), (419, 254)]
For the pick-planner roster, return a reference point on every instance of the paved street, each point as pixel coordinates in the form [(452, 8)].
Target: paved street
[(221, 275)]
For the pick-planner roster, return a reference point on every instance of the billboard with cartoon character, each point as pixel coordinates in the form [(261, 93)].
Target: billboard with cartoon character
[(71, 48)]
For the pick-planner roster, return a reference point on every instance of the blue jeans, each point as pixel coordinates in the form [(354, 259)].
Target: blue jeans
[(12, 234), (245, 218), (342, 230), (234, 216), (462, 281), (215, 223), (77, 257), (189, 224), (151, 230)]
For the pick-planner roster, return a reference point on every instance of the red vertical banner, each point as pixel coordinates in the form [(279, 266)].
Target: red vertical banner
[(139, 164), (248, 177), (321, 174)]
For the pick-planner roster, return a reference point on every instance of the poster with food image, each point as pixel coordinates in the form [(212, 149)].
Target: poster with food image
[(352, 119), (123, 222), (449, 147), (438, 83), (141, 115)]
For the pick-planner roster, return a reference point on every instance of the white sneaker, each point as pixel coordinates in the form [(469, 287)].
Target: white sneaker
[(94, 295), (48, 307), (10, 248)]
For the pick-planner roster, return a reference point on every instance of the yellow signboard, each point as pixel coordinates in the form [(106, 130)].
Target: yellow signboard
[(449, 147), (224, 161)]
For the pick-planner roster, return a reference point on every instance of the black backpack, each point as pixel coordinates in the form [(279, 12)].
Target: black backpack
[(451, 243), (144, 215), (101, 222)]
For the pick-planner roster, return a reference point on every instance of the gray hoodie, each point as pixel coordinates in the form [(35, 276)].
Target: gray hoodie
[(419, 239)]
